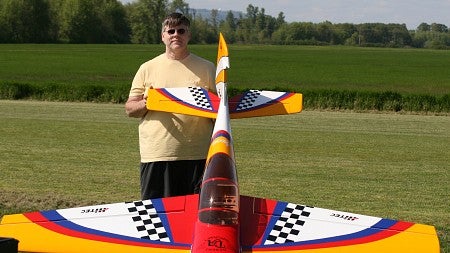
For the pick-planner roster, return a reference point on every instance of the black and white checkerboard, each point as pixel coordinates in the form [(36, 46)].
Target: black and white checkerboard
[(200, 98), (288, 226), (248, 100), (148, 223)]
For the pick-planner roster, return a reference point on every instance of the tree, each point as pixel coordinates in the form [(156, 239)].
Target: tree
[(179, 6), (281, 20), (26, 21), (255, 27), (228, 27), (302, 33), (271, 27), (280, 36), (109, 21), (84, 25), (203, 32), (399, 35), (86, 21), (145, 20), (343, 34), (424, 27), (214, 20), (439, 28), (325, 32), (252, 13), (434, 36), (114, 21), (264, 26)]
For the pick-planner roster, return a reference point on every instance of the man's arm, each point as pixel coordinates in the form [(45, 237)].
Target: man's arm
[(136, 107)]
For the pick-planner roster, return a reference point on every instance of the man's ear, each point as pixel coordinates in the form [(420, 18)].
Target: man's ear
[(189, 35)]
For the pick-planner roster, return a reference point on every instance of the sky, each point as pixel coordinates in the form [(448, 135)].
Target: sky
[(409, 12)]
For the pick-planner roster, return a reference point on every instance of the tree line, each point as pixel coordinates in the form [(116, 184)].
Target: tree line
[(110, 21)]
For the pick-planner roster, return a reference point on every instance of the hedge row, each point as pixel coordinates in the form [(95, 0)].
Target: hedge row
[(313, 99), (380, 101), (59, 92)]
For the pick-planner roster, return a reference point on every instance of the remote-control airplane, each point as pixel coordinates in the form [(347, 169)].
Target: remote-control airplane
[(218, 219)]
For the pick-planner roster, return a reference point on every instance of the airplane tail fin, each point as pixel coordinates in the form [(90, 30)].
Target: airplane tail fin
[(223, 63)]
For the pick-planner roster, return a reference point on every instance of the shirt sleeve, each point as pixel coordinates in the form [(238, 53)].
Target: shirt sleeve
[(138, 84)]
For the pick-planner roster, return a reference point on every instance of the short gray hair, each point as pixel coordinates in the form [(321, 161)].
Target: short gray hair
[(175, 19)]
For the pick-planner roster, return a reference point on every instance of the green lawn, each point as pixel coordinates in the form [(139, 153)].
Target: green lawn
[(299, 67), (55, 155)]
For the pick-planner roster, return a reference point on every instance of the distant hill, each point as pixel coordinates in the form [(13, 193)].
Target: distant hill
[(221, 15), (204, 13)]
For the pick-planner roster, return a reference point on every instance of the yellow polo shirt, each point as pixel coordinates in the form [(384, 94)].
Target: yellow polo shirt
[(169, 136)]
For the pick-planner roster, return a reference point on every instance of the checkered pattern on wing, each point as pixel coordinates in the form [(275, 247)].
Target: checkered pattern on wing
[(248, 100), (147, 221), (200, 98), (288, 226)]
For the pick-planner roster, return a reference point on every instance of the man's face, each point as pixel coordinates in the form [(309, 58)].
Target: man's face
[(176, 38)]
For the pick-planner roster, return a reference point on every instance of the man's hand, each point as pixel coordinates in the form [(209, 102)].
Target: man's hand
[(136, 106)]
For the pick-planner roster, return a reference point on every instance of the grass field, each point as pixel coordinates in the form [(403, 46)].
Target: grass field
[(55, 155), (408, 71)]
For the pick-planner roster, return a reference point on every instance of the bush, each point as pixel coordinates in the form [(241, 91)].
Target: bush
[(379, 101), (313, 99), (62, 92), (427, 103), (15, 91)]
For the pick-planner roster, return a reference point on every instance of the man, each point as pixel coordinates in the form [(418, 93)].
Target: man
[(173, 147)]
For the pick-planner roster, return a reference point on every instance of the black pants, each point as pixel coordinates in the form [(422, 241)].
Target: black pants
[(171, 178)]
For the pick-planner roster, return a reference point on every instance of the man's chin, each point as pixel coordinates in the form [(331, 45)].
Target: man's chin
[(176, 46)]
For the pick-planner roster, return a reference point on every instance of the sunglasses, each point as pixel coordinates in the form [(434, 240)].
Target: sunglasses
[(180, 31)]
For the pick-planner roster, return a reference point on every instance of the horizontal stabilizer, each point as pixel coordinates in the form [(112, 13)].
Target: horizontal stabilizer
[(194, 101), (255, 103), (198, 101)]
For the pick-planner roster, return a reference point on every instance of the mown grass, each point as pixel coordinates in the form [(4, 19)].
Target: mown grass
[(56, 155), (361, 69), (297, 67), (330, 77)]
